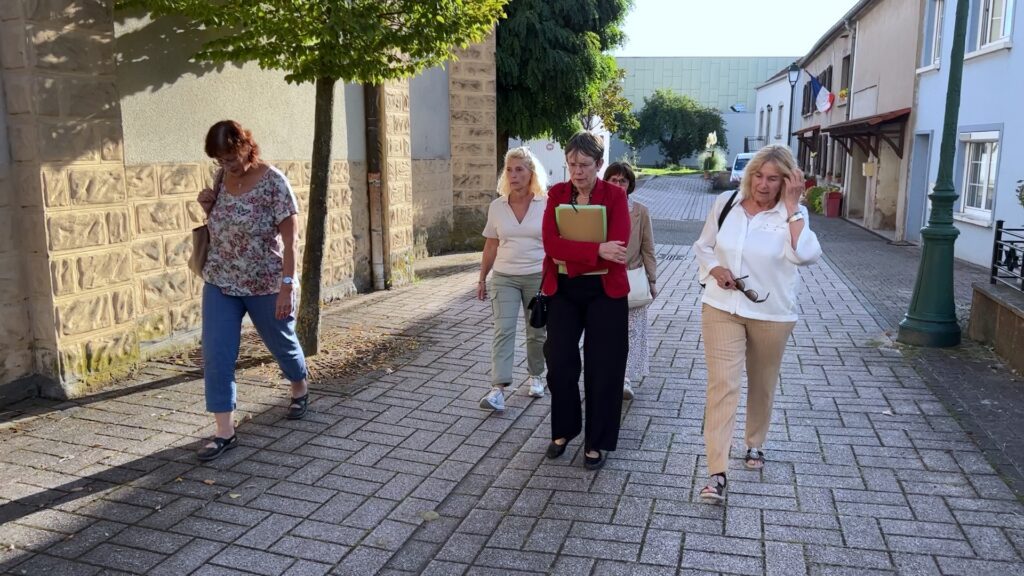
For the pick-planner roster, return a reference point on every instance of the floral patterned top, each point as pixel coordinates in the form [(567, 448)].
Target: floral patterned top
[(246, 251)]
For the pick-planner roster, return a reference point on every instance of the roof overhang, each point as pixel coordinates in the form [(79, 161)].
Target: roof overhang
[(868, 133)]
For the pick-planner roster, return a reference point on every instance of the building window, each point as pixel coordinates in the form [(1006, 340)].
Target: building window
[(981, 159), (932, 36), (778, 125), (994, 21), (844, 78)]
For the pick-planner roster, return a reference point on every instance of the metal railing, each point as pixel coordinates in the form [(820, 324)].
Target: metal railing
[(1007, 256), (752, 144)]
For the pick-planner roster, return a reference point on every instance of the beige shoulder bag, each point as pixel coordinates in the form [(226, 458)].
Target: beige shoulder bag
[(201, 235)]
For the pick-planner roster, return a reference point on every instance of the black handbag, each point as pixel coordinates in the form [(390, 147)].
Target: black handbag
[(538, 307)]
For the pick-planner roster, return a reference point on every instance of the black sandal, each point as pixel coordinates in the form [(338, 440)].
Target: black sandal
[(556, 450), (593, 463), (715, 490), (221, 445), (298, 407)]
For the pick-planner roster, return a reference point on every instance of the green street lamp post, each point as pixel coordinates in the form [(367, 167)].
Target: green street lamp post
[(931, 320)]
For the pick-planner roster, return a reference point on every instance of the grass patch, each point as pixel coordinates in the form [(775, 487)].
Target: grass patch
[(669, 171)]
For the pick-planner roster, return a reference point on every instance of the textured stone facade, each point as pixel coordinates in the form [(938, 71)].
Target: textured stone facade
[(432, 206), (93, 252), (473, 134), (397, 182)]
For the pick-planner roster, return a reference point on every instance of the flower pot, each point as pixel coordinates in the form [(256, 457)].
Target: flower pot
[(833, 204)]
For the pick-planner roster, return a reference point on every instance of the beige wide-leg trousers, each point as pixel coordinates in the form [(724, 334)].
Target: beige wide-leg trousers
[(729, 342)]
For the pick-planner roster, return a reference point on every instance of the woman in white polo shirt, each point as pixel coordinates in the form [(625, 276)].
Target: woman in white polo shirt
[(514, 250), (750, 267)]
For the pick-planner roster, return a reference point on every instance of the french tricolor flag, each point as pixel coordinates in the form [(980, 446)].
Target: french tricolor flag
[(823, 99)]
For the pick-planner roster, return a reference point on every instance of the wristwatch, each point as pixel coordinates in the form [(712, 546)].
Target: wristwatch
[(796, 216), (288, 280)]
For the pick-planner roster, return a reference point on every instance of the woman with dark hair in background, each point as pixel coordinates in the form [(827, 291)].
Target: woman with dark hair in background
[(587, 296), (250, 269), (639, 253)]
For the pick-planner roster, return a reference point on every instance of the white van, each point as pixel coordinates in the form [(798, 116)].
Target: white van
[(739, 165)]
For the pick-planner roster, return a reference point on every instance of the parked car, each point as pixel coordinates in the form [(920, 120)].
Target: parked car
[(739, 165)]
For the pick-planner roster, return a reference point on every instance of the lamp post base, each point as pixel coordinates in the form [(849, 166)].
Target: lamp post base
[(933, 334)]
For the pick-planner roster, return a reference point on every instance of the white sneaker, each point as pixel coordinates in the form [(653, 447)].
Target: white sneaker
[(627, 390), (536, 387), (495, 400)]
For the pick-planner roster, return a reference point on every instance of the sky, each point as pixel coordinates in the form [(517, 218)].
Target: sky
[(728, 27)]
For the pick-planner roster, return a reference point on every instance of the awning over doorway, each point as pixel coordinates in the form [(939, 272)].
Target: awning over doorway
[(807, 135), (869, 133)]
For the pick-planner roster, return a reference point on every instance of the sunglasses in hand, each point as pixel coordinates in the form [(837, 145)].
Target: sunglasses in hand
[(751, 294)]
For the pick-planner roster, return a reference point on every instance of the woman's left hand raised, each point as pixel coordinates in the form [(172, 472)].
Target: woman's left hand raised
[(793, 191), (285, 305)]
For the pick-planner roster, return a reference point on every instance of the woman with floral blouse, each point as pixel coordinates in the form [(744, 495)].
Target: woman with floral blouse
[(253, 222)]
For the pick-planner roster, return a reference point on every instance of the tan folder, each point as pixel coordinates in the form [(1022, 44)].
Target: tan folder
[(588, 223)]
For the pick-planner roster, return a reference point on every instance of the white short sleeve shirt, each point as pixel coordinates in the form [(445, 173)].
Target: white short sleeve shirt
[(520, 246)]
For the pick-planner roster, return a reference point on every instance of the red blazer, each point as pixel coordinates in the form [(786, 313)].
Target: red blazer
[(581, 257)]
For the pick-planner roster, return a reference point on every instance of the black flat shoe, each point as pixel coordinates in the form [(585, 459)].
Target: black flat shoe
[(594, 463), (221, 445), (298, 407), (556, 450)]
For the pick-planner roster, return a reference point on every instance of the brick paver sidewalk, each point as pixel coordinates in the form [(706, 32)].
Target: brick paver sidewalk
[(867, 473)]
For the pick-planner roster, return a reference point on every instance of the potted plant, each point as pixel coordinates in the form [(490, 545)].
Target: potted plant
[(843, 94), (833, 201)]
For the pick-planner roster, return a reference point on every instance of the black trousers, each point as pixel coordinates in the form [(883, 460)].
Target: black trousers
[(581, 306)]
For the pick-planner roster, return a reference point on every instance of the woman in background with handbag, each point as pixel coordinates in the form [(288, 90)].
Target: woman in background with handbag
[(515, 252), (641, 269), (249, 269)]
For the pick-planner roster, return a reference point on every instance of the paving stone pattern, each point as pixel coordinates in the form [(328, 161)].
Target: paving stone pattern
[(867, 473)]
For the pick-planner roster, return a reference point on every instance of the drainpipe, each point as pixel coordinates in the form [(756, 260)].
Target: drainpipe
[(374, 183)]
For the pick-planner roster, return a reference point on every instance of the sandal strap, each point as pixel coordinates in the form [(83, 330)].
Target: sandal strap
[(300, 401)]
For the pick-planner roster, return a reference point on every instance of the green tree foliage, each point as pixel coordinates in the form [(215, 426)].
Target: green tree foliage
[(605, 101), (677, 124), (549, 62), (324, 41)]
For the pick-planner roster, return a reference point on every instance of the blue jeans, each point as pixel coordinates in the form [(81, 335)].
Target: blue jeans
[(222, 336)]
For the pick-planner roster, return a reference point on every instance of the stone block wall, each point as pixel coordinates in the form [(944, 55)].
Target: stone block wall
[(68, 181), (432, 206), (15, 330), (397, 182), (93, 252), (474, 170)]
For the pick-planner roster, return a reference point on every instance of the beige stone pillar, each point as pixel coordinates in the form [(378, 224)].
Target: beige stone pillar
[(397, 202), (69, 185), (471, 83)]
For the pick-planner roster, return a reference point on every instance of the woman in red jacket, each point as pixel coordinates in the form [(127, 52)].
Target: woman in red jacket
[(590, 297)]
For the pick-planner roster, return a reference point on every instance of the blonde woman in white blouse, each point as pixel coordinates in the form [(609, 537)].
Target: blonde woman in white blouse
[(750, 269), (514, 250)]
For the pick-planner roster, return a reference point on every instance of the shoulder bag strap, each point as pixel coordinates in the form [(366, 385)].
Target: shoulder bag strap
[(728, 207)]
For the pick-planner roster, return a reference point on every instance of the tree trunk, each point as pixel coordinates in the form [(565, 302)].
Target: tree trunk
[(308, 328), (501, 146)]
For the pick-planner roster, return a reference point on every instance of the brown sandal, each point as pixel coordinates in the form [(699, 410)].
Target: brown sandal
[(715, 490)]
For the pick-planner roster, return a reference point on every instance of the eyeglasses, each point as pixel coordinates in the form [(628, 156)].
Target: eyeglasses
[(227, 161), (573, 166), (751, 295)]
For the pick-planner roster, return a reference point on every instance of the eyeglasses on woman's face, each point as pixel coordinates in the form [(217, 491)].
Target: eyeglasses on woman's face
[(619, 181), (751, 295)]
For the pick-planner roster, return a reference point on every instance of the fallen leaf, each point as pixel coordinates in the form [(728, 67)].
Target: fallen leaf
[(179, 479), (77, 489), (887, 412), (429, 515), (209, 482), (233, 496)]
